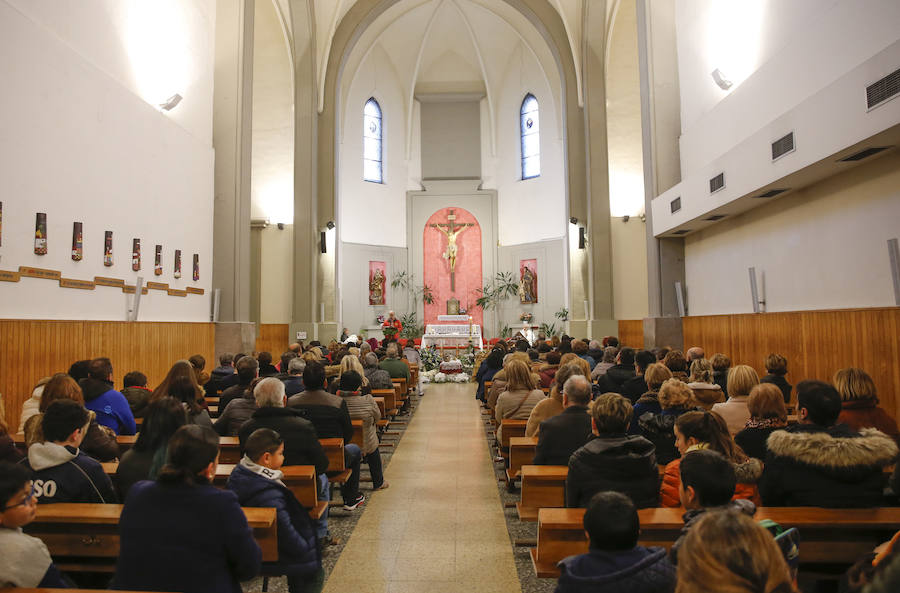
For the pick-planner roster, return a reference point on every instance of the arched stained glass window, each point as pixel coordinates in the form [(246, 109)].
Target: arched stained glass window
[(531, 137), (373, 163)]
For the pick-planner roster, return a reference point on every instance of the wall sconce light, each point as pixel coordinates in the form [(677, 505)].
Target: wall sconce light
[(721, 79), (322, 246), (573, 220), (582, 237), (171, 102), (330, 225)]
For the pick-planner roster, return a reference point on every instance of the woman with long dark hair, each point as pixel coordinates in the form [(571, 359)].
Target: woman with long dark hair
[(145, 460), (181, 533), (181, 383)]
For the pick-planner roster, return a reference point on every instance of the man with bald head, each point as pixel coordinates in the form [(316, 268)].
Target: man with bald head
[(563, 434), (695, 353)]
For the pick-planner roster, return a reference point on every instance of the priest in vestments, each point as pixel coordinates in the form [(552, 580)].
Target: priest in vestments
[(393, 322)]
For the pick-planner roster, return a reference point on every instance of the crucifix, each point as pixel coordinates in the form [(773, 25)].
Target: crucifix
[(452, 230)]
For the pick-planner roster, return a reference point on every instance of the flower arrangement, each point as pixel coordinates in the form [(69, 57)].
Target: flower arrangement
[(526, 317), (380, 319), (431, 358), (436, 376)]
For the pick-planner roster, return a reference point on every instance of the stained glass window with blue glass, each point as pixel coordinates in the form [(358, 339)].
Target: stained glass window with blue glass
[(373, 161), (531, 137)]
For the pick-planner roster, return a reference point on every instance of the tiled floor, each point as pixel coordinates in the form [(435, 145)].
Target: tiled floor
[(439, 528)]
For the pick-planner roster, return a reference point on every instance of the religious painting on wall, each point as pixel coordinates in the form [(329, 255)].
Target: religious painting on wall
[(108, 250), (177, 273), (77, 241), (136, 255), (377, 282), (40, 234), (157, 261), (528, 281), (196, 267)]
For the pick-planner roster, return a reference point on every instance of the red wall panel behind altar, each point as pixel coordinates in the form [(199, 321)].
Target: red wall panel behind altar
[(437, 269)]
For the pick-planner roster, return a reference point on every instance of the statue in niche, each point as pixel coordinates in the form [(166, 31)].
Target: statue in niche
[(527, 286), (376, 288)]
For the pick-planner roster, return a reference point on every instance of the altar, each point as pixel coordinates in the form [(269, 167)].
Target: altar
[(454, 331)]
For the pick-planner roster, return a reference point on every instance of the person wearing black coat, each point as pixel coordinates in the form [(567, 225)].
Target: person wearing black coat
[(613, 380), (818, 463), (614, 460), (561, 435), (181, 533), (636, 386), (782, 384), (301, 443), (257, 481)]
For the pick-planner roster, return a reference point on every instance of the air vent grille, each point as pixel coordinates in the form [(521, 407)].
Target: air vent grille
[(782, 146), (864, 154), (773, 192), (880, 91), (717, 183), (715, 217), (675, 205), (682, 232)]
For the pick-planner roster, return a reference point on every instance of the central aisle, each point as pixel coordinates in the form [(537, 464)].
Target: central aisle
[(440, 526)]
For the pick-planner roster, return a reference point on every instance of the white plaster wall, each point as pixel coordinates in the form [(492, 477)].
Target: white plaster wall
[(374, 213), (551, 282), (629, 266), (81, 143), (356, 313), (783, 53), (821, 248), (531, 209), (276, 267), (272, 167)]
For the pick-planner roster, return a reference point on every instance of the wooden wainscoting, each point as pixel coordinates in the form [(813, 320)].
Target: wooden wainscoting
[(815, 343), (273, 338), (631, 333), (31, 349)]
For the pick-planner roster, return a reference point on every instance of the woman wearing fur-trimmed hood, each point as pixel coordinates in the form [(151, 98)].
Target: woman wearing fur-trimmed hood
[(820, 463)]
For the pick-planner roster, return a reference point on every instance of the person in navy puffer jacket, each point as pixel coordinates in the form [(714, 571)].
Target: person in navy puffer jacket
[(111, 407), (257, 483), (614, 562)]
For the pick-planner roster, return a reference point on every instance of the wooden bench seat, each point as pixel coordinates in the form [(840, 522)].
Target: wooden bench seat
[(511, 428), (389, 397), (830, 536), (82, 536), (521, 452), (543, 486), (337, 466), (300, 479)]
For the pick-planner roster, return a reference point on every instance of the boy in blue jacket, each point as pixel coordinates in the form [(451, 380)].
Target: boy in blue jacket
[(615, 562), (257, 483)]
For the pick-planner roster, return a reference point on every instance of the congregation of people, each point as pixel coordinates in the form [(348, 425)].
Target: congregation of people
[(171, 509), (635, 428), (665, 428)]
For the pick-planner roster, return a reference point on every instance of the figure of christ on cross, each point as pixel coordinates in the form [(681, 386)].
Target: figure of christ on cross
[(452, 230)]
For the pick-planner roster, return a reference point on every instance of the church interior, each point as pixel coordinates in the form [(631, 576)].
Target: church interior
[(428, 193)]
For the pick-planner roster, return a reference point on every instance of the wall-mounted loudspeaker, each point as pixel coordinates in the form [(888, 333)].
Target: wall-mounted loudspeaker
[(679, 299), (894, 255), (758, 294), (217, 298), (322, 246), (582, 239), (136, 303)]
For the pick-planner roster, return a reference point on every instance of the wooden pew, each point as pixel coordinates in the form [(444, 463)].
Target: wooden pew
[(229, 447), (389, 396), (357, 433), (337, 472), (300, 479), (830, 536), (521, 452), (543, 486), (85, 537), (511, 428)]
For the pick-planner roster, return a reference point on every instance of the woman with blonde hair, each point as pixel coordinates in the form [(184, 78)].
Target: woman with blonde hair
[(767, 414), (571, 357), (741, 380), (553, 405), (99, 441), (520, 397), (655, 375), (731, 550), (859, 403), (701, 382), (351, 363), (675, 398)]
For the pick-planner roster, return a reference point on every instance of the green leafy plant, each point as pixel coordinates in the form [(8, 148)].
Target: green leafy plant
[(562, 314), (408, 283), (411, 328), (502, 286), (548, 329), (505, 331)]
